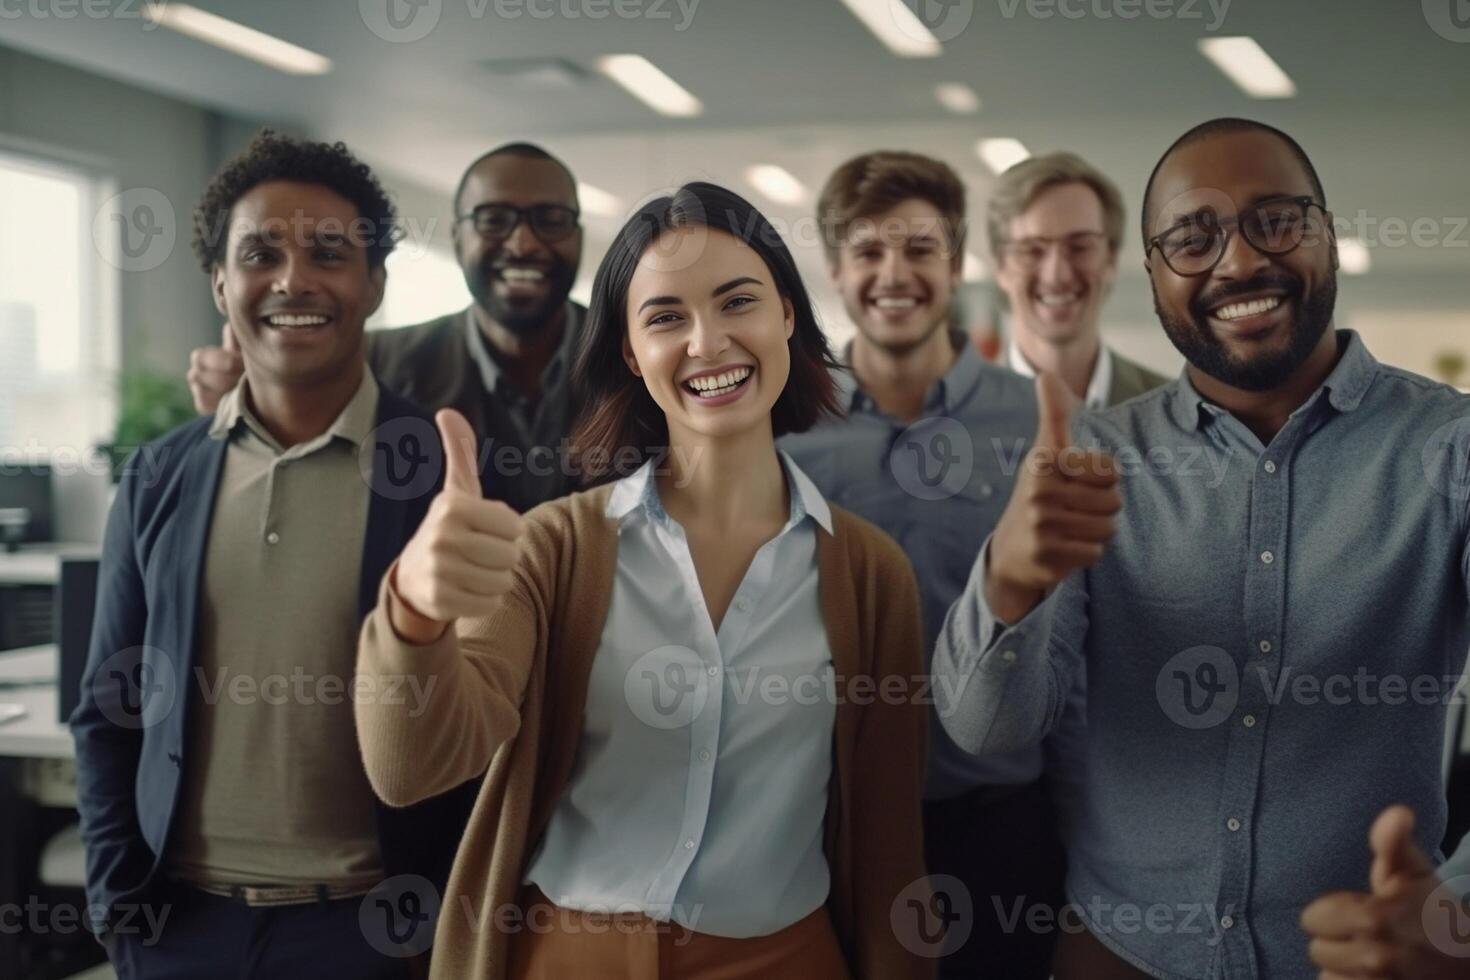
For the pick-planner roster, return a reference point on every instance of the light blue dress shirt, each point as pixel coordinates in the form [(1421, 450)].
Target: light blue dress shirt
[(1271, 642), (699, 793)]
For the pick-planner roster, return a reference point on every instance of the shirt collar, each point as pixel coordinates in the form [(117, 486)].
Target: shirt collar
[(942, 397), (636, 495), (354, 423), (556, 368), (1345, 386), (1099, 387)]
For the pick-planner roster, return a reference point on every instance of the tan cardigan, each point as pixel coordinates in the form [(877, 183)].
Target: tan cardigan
[(510, 693)]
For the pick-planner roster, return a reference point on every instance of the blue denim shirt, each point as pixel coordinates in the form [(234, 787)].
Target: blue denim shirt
[(1270, 645), (937, 486)]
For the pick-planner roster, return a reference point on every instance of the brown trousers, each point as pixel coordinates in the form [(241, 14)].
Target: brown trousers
[(559, 944)]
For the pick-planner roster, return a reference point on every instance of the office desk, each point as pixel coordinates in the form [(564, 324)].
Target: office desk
[(40, 565), (38, 735)]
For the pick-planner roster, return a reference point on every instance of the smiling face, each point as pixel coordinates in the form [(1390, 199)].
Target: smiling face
[(897, 273), (520, 279), (295, 283), (1057, 265), (1255, 318), (707, 333)]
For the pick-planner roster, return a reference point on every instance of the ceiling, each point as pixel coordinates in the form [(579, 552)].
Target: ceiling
[(1381, 103)]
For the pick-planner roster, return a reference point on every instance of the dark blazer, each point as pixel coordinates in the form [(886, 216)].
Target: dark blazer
[(130, 726), (1131, 379)]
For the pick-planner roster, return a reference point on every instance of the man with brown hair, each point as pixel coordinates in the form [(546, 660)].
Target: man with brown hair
[(1055, 224), (928, 451)]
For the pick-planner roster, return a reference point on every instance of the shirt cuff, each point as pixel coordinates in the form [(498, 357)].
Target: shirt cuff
[(1001, 643)]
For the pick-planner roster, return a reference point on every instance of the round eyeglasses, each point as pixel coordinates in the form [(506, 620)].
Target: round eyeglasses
[(550, 222), (1273, 227)]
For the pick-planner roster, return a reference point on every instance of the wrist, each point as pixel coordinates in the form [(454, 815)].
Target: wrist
[(412, 626)]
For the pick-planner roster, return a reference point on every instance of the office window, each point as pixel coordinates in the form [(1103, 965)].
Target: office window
[(423, 283), (57, 327)]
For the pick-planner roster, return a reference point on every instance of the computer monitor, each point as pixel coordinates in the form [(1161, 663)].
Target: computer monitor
[(26, 503)]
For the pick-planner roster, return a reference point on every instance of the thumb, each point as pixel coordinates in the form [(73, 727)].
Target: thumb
[(1055, 404), (1395, 855), (227, 338), (461, 471)]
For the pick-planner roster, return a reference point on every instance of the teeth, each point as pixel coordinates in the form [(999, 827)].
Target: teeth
[(287, 320), (511, 274), (895, 302), (719, 384), (1057, 299), (1255, 307)]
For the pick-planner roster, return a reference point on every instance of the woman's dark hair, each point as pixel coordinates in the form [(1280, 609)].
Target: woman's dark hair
[(620, 425)]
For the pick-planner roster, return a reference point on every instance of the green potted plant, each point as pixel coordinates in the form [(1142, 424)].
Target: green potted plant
[(148, 405)]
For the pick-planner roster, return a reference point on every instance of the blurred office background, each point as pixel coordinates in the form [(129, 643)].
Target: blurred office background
[(114, 114)]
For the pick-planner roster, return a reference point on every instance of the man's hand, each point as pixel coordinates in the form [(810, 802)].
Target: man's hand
[(461, 558), (1408, 928), (1060, 514), (213, 371)]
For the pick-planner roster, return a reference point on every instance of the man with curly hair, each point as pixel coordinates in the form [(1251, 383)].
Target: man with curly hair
[(227, 817), (505, 362)]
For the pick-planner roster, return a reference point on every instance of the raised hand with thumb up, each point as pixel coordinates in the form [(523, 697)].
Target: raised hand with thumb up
[(1411, 926), (1059, 516), (461, 558)]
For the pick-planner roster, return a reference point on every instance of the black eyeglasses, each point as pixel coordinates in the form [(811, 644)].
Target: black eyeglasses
[(550, 222), (1272, 227)]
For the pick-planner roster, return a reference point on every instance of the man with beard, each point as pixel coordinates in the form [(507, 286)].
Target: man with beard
[(505, 362), (928, 451), (1272, 613)]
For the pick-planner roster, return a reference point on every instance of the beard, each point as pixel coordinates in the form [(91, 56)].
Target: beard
[(1197, 342), (522, 317)]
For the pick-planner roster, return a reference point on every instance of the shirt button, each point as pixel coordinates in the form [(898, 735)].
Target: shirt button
[(1270, 467), (1227, 922), (743, 605), (273, 538), (689, 846), (1009, 656), (1249, 721), (1267, 557), (713, 671), (1265, 646), (1233, 824), (986, 490), (704, 756)]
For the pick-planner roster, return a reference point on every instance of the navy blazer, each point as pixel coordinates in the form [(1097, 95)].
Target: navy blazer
[(130, 725)]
